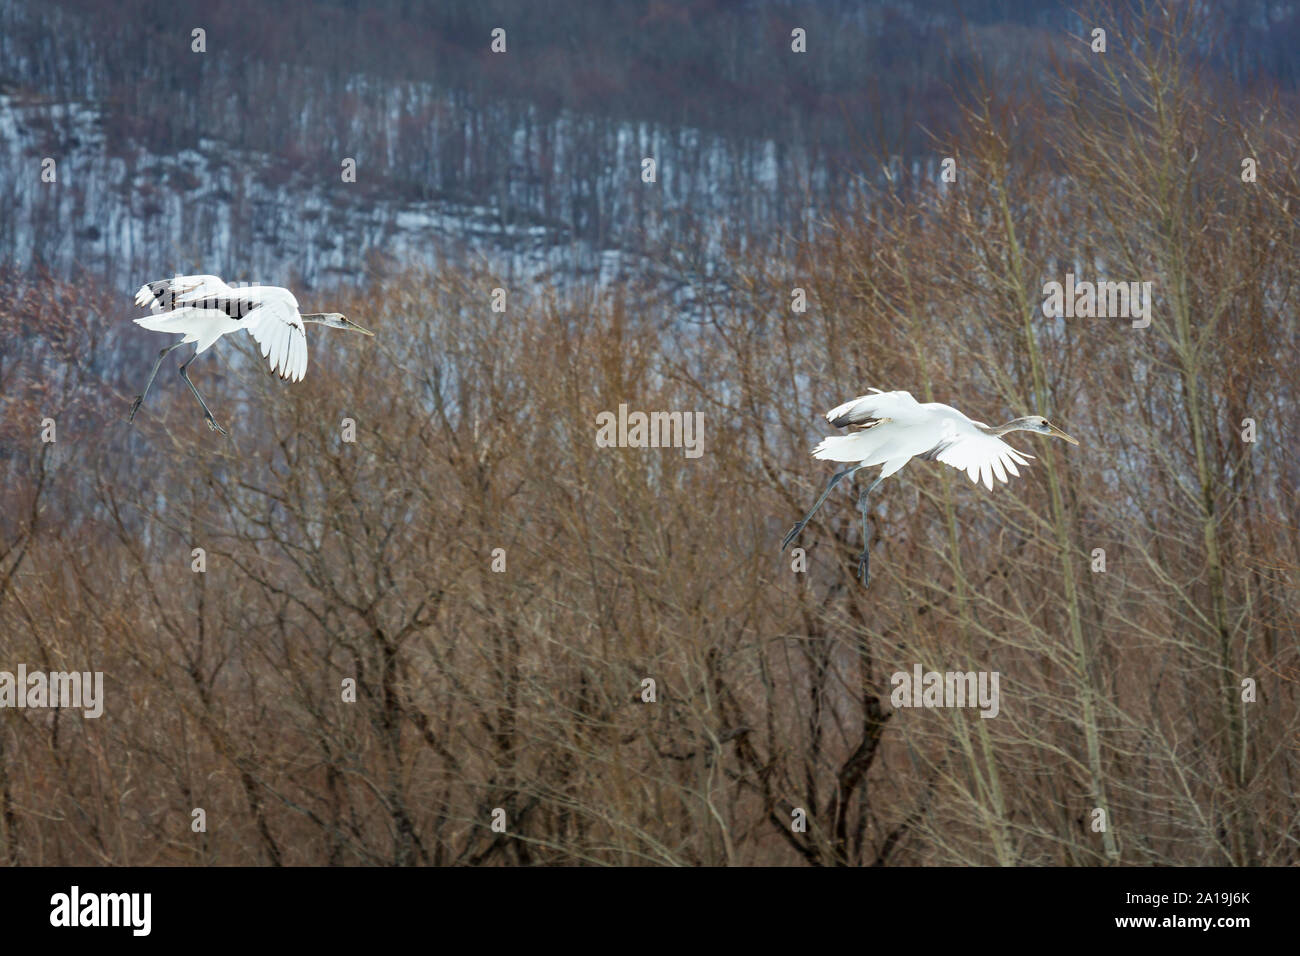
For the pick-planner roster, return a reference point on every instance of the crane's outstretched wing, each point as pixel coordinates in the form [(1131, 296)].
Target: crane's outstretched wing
[(980, 455), (865, 409), (164, 295), (278, 328)]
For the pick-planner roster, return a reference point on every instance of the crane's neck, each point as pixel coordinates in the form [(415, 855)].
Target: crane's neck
[(1015, 425)]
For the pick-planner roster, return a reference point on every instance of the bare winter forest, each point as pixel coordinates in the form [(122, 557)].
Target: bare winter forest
[(365, 649)]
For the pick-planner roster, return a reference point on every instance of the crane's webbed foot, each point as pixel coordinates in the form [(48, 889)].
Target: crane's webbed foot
[(212, 424)]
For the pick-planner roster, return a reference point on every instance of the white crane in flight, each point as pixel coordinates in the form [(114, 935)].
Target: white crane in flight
[(203, 309), (893, 428)]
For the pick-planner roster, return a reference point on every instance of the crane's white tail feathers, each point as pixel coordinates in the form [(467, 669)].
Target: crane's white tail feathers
[(857, 447), (173, 321), (199, 326)]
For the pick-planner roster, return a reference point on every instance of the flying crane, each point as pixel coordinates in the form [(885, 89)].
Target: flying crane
[(892, 428), (203, 309)]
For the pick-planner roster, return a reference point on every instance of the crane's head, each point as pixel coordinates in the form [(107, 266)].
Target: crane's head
[(1036, 423), (335, 320)]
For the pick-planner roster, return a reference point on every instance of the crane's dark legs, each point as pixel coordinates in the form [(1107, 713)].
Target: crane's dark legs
[(835, 480), (207, 412), (135, 406), (864, 561)]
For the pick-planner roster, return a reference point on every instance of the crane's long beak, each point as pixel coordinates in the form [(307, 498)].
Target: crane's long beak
[(1057, 433), (349, 324)]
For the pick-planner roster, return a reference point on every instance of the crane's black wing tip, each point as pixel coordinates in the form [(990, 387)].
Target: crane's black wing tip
[(937, 450)]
